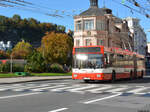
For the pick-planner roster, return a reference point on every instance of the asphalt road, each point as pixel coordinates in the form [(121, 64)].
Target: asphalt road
[(76, 96)]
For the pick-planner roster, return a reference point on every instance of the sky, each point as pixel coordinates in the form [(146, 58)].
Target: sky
[(67, 8)]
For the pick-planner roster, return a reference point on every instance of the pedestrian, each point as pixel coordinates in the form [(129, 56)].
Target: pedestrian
[(65, 68)]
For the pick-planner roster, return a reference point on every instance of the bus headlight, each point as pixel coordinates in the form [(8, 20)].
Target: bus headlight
[(82, 57), (98, 75), (75, 75)]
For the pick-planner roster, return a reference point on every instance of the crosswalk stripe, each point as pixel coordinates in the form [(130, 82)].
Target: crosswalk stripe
[(117, 90), (99, 90), (14, 85), (78, 88), (8, 87), (41, 89), (138, 90), (64, 88), (5, 88), (22, 89), (81, 88)]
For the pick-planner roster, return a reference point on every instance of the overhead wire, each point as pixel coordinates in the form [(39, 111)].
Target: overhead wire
[(29, 6), (142, 10), (54, 12), (26, 8)]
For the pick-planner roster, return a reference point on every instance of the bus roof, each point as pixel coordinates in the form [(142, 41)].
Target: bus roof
[(113, 50)]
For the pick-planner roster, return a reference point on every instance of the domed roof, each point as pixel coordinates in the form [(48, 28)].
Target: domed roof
[(95, 11)]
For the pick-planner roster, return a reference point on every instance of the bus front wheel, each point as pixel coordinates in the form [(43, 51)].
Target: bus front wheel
[(86, 81)]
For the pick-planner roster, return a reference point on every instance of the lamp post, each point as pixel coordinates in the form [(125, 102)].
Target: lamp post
[(11, 66)]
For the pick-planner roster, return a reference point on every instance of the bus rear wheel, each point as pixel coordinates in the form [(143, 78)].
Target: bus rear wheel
[(131, 75), (142, 74), (113, 77)]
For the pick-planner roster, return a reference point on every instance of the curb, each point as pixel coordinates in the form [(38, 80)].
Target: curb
[(34, 80)]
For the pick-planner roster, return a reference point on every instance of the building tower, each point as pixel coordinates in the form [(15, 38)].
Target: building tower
[(94, 3)]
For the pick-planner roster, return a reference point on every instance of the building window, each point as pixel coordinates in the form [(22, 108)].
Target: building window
[(134, 23), (89, 24), (78, 42), (88, 42), (101, 25), (135, 33), (100, 42), (78, 25)]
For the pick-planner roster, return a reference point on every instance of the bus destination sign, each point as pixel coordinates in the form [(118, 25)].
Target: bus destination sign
[(88, 49)]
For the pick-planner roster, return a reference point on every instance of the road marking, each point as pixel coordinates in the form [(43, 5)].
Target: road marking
[(136, 91), (58, 110), (88, 102), (11, 85), (5, 88), (22, 89), (81, 88), (116, 90), (98, 90), (13, 96), (63, 88), (41, 89)]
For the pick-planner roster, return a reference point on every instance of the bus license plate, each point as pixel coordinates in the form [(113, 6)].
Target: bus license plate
[(86, 78)]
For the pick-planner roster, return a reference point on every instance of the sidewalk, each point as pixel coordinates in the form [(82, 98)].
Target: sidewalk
[(31, 79)]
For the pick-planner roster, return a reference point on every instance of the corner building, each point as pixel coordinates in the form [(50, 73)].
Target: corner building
[(98, 26), (138, 35)]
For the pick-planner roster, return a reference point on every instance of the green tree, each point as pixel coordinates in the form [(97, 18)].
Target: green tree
[(14, 29), (35, 63), (56, 47), (21, 50), (16, 18)]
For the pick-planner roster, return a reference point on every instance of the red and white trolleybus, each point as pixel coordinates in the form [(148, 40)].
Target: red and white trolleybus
[(101, 63)]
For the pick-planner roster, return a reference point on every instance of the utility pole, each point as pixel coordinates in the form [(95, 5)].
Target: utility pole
[(11, 66)]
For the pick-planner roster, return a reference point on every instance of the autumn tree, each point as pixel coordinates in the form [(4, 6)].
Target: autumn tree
[(56, 47), (21, 50), (3, 55)]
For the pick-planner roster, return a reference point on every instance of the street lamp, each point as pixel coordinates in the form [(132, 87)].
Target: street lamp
[(11, 66)]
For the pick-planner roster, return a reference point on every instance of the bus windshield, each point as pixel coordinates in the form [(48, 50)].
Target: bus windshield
[(88, 61)]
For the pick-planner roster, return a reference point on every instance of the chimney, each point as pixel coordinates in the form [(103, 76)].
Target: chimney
[(93, 3)]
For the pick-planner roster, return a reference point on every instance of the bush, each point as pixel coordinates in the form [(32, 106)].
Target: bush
[(34, 68), (5, 67), (56, 68), (18, 68), (35, 63)]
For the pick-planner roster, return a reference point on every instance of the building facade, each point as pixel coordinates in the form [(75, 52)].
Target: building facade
[(148, 47), (138, 35), (98, 26), (4, 46)]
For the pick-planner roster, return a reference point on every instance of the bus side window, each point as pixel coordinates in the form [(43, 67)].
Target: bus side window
[(112, 60), (107, 60), (126, 62)]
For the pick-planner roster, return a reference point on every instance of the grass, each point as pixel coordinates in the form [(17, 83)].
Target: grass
[(8, 75)]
